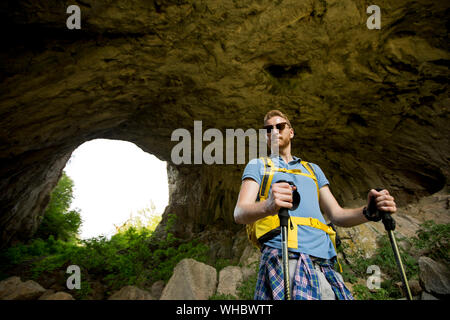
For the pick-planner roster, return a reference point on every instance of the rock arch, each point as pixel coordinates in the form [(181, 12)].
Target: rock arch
[(371, 107)]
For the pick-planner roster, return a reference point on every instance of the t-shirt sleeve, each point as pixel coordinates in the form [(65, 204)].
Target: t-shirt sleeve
[(253, 170), (321, 178)]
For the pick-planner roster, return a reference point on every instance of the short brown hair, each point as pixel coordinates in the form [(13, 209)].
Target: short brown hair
[(274, 113)]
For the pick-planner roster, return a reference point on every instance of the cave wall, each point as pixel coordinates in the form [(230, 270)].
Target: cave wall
[(371, 107)]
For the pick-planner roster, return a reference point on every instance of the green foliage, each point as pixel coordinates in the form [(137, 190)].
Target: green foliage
[(83, 292), (347, 273), (434, 241), (146, 218), (37, 249), (166, 258), (361, 292), (47, 265), (130, 257), (171, 220), (58, 220), (222, 263)]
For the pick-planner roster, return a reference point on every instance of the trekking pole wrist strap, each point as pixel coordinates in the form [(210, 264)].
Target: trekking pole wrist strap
[(371, 216)]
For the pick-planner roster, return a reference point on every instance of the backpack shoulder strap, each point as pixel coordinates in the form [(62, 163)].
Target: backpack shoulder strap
[(310, 168), (267, 178), (311, 171)]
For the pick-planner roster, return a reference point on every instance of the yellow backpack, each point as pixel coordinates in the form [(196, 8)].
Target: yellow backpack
[(265, 228)]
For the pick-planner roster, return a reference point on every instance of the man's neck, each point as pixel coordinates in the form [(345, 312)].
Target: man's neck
[(286, 155)]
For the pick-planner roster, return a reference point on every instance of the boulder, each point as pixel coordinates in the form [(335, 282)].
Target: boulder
[(131, 293), (157, 289), (191, 280), (8, 287), (60, 295), (361, 239), (248, 272), (47, 293), (414, 287), (240, 242), (250, 256), (434, 276), (229, 279), (426, 296), (249, 260), (14, 288)]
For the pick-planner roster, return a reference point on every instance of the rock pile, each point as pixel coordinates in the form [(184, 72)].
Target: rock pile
[(14, 288)]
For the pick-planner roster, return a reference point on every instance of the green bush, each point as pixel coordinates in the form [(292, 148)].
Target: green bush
[(58, 220)]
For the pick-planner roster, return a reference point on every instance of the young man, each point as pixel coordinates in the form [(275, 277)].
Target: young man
[(312, 258)]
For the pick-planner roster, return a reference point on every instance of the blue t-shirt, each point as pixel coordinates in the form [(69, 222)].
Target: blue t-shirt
[(311, 241)]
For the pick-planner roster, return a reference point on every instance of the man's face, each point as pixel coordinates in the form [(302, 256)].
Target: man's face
[(283, 135)]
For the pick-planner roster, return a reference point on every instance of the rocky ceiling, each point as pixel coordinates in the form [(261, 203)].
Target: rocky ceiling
[(371, 107)]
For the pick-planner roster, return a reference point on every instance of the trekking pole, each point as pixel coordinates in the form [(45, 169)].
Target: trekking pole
[(284, 221), (389, 226), (283, 215)]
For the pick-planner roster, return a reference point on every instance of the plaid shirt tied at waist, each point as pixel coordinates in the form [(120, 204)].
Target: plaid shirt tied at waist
[(270, 283)]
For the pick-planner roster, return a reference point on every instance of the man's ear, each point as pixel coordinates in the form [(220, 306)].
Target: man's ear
[(292, 133)]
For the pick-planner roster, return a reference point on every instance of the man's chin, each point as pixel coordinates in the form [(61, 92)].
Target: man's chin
[(281, 144)]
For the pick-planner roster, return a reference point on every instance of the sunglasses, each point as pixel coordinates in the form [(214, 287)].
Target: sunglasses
[(279, 126)]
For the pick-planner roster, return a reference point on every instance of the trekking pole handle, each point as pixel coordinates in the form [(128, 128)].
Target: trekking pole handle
[(283, 214), (386, 217)]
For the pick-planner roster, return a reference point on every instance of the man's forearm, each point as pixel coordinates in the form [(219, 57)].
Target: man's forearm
[(251, 212), (350, 217)]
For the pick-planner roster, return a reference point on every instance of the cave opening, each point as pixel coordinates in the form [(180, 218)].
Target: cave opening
[(116, 185)]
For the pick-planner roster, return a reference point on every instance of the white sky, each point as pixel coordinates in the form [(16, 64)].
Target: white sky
[(113, 178)]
